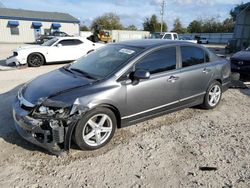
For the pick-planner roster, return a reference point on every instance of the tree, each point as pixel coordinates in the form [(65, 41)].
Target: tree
[(131, 27), (178, 28), (228, 25), (109, 21), (195, 26), (84, 28), (153, 25)]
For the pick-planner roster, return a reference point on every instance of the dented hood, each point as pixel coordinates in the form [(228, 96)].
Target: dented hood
[(52, 84)]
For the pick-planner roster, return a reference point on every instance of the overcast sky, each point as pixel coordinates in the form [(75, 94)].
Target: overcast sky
[(132, 11)]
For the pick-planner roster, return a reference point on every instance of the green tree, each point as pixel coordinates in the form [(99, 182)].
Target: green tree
[(228, 25), (109, 21), (131, 27), (178, 28), (153, 25), (195, 26), (84, 28)]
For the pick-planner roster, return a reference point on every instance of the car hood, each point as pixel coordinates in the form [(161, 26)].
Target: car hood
[(241, 56), (52, 84)]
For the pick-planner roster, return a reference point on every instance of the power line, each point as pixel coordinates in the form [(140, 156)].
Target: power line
[(162, 13)]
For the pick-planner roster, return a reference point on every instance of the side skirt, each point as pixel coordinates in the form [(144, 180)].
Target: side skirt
[(173, 108)]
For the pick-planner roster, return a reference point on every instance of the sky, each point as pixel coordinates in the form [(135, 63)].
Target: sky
[(132, 11)]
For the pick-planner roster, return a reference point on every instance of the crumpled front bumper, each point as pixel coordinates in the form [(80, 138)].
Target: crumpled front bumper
[(16, 60), (56, 141)]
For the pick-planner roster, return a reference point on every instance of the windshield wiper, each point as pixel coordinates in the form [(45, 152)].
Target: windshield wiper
[(83, 73)]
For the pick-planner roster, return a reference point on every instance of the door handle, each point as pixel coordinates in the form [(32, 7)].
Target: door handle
[(206, 70), (172, 79)]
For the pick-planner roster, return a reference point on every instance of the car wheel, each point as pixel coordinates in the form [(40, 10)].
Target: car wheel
[(35, 60), (213, 95), (95, 129)]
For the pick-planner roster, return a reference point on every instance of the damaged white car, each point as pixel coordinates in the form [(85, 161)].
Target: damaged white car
[(58, 49)]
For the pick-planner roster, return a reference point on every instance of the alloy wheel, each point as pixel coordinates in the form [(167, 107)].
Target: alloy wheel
[(214, 95), (97, 129)]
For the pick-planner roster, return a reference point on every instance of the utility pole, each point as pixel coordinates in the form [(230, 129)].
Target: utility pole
[(162, 13)]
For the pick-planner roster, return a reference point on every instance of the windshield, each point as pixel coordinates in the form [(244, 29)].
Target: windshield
[(156, 35), (106, 60), (50, 42)]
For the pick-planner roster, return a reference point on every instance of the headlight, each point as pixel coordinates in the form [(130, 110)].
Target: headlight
[(240, 62), (52, 111)]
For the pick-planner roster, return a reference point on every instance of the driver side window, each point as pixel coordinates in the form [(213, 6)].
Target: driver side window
[(158, 61)]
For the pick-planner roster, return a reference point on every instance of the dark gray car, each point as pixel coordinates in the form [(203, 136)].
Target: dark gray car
[(116, 86)]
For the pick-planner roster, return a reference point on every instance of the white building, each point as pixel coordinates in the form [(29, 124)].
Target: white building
[(19, 26)]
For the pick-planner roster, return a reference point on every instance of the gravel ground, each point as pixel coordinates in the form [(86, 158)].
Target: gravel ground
[(168, 151)]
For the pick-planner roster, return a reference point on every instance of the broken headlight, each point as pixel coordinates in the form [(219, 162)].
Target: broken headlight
[(50, 108)]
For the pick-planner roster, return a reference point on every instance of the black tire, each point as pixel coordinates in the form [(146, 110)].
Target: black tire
[(207, 99), (83, 128), (35, 60)]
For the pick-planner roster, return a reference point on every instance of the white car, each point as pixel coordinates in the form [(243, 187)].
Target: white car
[(189, 39), (203, 40), (58, 49)]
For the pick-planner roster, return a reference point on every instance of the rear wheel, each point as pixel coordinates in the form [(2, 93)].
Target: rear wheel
[(35, 60), (95, 129), (213, 95)]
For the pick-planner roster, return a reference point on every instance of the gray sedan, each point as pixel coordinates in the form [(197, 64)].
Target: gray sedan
[(116, 86)]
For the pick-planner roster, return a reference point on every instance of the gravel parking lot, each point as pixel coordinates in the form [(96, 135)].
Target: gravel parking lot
[(189, 148)]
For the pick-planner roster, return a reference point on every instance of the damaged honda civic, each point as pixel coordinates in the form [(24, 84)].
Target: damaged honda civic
[(116, 86)]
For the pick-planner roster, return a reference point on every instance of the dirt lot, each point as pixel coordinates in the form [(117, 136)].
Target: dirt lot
[(163, 152)]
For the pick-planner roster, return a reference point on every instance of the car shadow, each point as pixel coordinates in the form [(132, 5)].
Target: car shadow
[(7, 129)]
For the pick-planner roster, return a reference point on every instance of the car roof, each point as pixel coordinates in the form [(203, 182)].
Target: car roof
[(80, 38), (151, 43)]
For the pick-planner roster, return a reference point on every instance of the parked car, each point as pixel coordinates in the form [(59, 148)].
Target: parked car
[(43, 38), (203, 40), (188, 39), (165, 35), (116, 86), (58, 49), (240, 63)]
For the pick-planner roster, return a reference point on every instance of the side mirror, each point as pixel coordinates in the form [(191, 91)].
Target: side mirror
[(59, 45), (141, 74)]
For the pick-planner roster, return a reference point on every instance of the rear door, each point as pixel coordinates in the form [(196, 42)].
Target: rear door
[(196, 72), (160, 91)]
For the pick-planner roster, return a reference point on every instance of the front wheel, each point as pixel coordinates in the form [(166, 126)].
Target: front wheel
[(213, 95), (95, 129), (35, 60)]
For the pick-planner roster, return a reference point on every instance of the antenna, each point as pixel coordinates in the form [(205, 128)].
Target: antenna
[(2, 5), (162, 13)]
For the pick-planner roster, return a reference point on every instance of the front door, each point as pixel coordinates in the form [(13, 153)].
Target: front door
[(65, 50), (160, 91)]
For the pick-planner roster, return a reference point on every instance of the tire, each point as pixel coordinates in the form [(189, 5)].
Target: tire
[(35, 60), (95, 129), (215, 91)]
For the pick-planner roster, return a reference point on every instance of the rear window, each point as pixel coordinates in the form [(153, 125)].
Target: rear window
[(192, 56)]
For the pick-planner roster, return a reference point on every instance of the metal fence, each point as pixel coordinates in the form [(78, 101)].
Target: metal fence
[(217, 38)]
